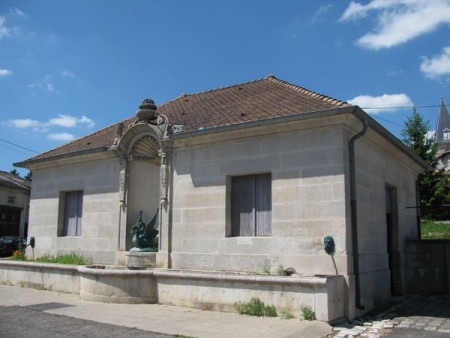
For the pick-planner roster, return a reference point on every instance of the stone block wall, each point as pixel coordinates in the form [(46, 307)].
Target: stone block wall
[(428, 266), (379, 169), (308, 202), (99, 181)]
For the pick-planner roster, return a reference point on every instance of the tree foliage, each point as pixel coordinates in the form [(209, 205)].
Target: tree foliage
[(15, 172), (433, 188), (28, 176)]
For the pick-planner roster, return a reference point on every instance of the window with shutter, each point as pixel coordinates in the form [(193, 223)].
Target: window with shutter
[(73, 211), (251, 205)]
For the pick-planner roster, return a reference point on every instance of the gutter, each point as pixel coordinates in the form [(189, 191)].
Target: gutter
[(354, 220)]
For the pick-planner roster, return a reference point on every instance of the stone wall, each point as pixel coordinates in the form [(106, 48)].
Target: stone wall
[(428, 266), (42, 276), (99, 181), (379, 169), (308, 202)]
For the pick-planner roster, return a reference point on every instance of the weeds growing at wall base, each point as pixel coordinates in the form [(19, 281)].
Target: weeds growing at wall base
[(286, 315), (255, 308), (69, 258), (308, 313)]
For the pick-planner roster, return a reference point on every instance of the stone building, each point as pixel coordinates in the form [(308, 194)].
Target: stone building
[(255, 173), (14, 205)]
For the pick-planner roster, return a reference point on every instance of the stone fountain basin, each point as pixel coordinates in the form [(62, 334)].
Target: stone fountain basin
[(213, 290)]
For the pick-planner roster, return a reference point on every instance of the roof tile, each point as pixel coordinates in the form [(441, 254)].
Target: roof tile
[(255, 100)]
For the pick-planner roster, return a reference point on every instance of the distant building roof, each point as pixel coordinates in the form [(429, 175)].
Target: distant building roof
[(255, 100), (13, 181)]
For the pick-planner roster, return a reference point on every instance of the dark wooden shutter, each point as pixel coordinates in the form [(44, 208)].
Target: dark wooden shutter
[(243, 206), (73, 210), (264, 205), (79, 212)]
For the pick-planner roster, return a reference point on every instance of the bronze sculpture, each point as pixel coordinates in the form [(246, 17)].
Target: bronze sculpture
[(144, 235)]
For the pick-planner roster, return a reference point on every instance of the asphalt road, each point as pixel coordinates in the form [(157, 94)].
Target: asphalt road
[(22, 322)]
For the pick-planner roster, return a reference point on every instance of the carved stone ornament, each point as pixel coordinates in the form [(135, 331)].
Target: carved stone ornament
[(122, 178), (163, 177), (119, 132), (147, 111)]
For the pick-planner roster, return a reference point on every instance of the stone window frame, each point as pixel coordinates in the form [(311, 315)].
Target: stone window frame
[(11, 199), (249, 205), (70, 214)]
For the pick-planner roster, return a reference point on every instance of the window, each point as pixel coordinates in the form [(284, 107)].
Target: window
[(446, 134), (73, 211), (11, 200), (251, 205)]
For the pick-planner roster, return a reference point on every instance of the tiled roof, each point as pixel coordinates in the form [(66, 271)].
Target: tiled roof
[(260, 99), (13, 181)]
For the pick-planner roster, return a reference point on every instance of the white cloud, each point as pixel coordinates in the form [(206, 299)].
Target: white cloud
[(320, 14), (381, 104), (66, 73), (71, 121), (61, 137), (87, 121), (65, 121), (4, 31), (5, 72), (44, 85), (16, 11), (23, 123), (437, 65), (398, 21)]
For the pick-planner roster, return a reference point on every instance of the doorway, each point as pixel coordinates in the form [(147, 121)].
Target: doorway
[(392, 239)]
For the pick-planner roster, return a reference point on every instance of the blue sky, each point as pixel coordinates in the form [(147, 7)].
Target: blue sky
[(68, 68)]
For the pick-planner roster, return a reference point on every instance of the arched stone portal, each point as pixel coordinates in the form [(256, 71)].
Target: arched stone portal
[(143, 183), (143, 169)]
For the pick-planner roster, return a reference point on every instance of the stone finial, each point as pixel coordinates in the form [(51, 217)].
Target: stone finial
[(147, 110)]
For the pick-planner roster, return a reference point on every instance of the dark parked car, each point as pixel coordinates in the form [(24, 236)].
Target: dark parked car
[(9, 244)]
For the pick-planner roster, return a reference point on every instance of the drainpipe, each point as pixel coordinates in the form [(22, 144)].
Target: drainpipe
[(418, 209), (351, 145)]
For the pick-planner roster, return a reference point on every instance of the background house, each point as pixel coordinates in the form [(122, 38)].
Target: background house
[(243, 175), (14, 205)]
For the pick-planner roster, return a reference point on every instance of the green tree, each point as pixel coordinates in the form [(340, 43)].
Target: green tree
[(15, 172), (28, 176), (432, 184)]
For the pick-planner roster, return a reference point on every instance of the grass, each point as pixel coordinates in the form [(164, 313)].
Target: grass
[(255, 308), (286, 315), (18, 255), (435, 230), (308, 313), (270, 311), (267, 266), (70, 258)]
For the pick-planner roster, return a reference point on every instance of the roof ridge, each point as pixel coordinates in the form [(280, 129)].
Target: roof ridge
[(305, 91), (214, 89)]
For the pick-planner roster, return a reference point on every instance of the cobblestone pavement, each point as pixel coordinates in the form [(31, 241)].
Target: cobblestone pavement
[(429, 315)]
